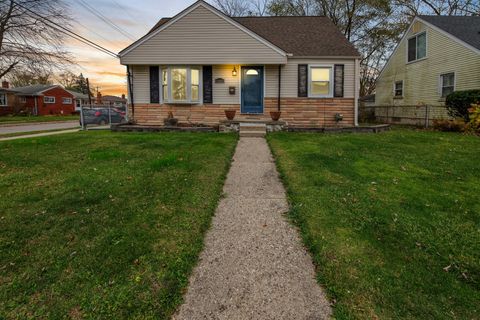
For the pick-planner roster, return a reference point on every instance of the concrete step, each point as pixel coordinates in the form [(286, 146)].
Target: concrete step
[(253, 128), (252, 134)]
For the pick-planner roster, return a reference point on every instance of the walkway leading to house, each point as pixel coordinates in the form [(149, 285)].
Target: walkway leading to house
[(35, 135), (253, 265)]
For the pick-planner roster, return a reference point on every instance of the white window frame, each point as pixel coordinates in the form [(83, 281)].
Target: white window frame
[(395, 88), (330, 87), (416, 35), (45, 98), (168, 99), (440, 82), (68, 99), (4, 104)]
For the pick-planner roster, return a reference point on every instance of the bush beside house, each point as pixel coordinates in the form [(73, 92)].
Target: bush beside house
[(458, 103)]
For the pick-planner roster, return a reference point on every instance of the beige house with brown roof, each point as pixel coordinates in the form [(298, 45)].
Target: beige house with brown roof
[(202, 62), (437, 55)]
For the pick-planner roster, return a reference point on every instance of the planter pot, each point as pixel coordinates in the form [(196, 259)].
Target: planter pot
[(170, 121), (275, 115), (230, 114)]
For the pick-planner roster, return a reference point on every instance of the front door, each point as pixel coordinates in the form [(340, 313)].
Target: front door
[(252, 89)]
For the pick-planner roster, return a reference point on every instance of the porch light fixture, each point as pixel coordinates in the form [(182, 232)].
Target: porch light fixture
[(234, 72)]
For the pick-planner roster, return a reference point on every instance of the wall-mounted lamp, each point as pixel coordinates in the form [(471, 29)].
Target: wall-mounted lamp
[(234, 72)]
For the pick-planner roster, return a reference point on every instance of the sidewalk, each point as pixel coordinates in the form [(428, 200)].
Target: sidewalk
[(254, 265)]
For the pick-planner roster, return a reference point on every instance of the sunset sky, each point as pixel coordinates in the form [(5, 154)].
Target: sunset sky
[(134, 17)]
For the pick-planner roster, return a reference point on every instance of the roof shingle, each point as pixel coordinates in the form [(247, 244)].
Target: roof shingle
[(466, 29)]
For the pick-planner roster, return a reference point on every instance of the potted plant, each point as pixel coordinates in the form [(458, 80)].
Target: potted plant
[(275, 115), (230, 114), (170, 120)]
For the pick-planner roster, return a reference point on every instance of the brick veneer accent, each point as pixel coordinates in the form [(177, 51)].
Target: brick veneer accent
[(304, 112)]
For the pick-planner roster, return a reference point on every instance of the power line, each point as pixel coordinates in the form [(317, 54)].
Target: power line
[(69, 32), (94, 32), (106, 20)]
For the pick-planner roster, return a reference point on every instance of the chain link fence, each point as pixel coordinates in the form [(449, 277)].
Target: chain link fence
[(423, 115), (101, 116)]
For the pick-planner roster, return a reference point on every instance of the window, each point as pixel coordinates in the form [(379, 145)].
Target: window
[(320, 81), (67, 100), (417, 47), (447, 83), (48, 99), (181, 84), (3, 99), (398, 88), (23, 99)]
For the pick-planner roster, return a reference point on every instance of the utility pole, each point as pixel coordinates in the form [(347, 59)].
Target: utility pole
[(88, 92)]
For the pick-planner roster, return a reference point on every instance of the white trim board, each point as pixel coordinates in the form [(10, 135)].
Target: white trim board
[(211, 9)]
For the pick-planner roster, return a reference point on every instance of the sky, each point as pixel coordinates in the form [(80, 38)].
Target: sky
[(134, 17)]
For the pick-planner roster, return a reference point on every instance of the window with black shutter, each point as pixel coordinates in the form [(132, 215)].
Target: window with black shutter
[(303, 80), (154, 84), (207, 84), (338, 77)]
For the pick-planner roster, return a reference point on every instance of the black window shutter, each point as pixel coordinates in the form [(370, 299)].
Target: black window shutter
[(339, 79), (207, 84), (303, 80), (154, 84)]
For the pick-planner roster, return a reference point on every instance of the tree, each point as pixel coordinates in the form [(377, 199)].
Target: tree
[(21, 78), (238, 8), (28, 38)]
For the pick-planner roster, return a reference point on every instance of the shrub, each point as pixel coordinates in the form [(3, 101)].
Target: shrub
[(459, 102), (474, 124), (457, 125)]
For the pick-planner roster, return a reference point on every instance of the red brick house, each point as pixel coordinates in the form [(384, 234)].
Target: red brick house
[(45, 99)]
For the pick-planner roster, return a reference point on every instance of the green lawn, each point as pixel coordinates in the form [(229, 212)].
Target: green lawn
[(392, 220), (105, 225), (28, 119)]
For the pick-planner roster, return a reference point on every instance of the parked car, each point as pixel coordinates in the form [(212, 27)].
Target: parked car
[(102, 117)]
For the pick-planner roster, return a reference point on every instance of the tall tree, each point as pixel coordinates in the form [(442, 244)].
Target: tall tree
[(29, 38), (21, 78)]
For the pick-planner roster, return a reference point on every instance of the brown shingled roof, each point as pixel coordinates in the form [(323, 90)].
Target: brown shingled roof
[(302, 36)]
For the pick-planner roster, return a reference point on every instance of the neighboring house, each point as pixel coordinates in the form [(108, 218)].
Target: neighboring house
[(202, 62), (436, 56), (45, 99), (81, 99), (113, 101), (8, 99)]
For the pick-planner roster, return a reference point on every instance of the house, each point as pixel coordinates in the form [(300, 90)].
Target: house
[(8, 99), (202, 62), (81, 99), (436, 56), (45, 99), (112, 101)]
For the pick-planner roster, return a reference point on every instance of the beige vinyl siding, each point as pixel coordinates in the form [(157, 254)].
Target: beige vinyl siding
[(141, 84), (202, 37), (221, 94), (289, 81), (421, 78)]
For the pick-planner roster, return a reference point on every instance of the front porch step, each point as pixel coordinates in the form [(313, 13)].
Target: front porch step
[(253, 129), (252, 134)]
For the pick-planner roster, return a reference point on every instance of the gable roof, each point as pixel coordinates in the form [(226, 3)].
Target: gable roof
[(466, 29), (303, 36), (36, 89), (78, 95)]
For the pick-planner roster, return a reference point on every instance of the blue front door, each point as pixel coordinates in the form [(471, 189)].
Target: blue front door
[(252, 89)]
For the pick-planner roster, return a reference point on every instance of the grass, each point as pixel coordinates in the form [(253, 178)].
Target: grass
[(105, 225), (392, 220), (30, 119)]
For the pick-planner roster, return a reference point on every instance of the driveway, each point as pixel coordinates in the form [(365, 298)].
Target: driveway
[(31, 127)]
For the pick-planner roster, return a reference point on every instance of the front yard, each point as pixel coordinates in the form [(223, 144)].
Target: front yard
[(105, 225), (33, 119), (392, 220)]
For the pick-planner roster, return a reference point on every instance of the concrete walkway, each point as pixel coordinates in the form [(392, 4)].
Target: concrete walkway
[(253, 265), (33, 126), (41, 134)]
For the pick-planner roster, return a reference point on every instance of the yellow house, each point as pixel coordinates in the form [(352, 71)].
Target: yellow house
[(436, 56)]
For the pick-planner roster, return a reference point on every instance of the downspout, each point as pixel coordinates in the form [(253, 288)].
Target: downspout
[(279, 85), (130, 91), (36, 106), (357, 89)]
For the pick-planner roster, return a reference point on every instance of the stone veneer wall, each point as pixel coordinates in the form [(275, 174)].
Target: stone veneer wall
[(300, 112)]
